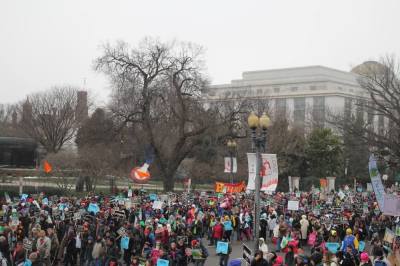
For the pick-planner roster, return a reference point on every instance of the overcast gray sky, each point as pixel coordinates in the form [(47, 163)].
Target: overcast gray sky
[(54, 42)]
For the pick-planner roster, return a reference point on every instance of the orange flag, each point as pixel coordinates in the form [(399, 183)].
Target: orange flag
[(323, 183), (47, 167)]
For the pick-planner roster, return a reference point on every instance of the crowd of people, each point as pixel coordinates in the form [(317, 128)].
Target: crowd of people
[(138, 228)]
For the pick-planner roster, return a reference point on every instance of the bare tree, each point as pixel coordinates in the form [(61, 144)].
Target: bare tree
[(381, 129), (49, 117), (157, 88), (8, 120), (63, 169)]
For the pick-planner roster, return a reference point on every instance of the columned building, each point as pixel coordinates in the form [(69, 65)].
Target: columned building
[(306, 95)]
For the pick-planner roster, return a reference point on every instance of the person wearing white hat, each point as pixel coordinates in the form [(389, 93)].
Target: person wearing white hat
[(304, 223)]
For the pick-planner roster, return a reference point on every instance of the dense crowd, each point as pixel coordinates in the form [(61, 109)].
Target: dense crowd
[(137, 228)]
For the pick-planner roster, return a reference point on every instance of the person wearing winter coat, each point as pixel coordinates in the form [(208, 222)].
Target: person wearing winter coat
[(43, 247), (217, 232), (304, 224), (224, 258), (259, 259), (18, 255)]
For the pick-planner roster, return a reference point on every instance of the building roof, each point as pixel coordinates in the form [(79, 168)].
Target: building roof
[(292, 76), (13, 142)]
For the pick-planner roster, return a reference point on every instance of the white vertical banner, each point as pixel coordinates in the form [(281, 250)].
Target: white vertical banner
[(269, 171), (290, 184), (228, 165), (251, 161)]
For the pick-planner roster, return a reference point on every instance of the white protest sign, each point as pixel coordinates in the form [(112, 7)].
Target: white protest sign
[(341, 195), (293, 205), (157, 204)]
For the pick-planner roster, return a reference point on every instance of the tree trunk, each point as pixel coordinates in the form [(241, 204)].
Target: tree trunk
[(169, 183)]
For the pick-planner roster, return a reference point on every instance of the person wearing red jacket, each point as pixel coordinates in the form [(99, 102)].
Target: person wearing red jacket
[(218, 232)]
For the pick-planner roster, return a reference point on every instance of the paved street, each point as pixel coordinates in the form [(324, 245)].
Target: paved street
[(237, 250)]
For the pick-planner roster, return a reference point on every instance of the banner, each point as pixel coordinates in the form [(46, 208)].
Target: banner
[(228, 165), (290, 184), (323, 183), (376, 182), (392, 205), (268, 171), (221, 187)]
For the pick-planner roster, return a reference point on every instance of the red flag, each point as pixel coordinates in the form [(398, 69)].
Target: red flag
[(47, 167)]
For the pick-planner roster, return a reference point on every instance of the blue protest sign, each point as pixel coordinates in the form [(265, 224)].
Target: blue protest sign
[(222, 247), (153, 197), (45, 201), (24, 196), (332, 247), (124, 242), (161, 262), (361, 246), (93, 207)]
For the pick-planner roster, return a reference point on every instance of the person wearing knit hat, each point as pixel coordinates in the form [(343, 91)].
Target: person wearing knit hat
[(350, 241), (364, 259)]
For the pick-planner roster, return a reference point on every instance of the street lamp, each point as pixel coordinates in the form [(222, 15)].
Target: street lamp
[(259, 140), (385, 178), (231, 144)]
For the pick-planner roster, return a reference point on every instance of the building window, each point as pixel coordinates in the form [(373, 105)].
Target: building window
[(293, 89), (299, 112), (347, 107), (313, 87), (277, 90), (319, 111), (280, 107), (360, 110)]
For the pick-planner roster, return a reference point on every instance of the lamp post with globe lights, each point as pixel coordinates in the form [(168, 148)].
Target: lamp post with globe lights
[(259, 139)]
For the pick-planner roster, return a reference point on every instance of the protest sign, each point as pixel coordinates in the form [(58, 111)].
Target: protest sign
[(27, 245), (293, 205), (361, 246), (389, 236), (93, 207), (125, 242), (153, 197), (222, 247), (77, 216), (121, 231), (161, 262), (391, 205), (332, 247), (157, 204), (341, 195)]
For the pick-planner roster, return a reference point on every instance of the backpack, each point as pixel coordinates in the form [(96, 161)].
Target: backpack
[(380, 263)]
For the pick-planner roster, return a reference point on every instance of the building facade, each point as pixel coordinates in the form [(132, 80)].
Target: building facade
[(306, 95)]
